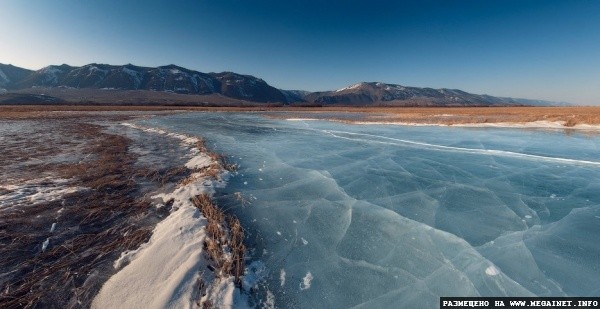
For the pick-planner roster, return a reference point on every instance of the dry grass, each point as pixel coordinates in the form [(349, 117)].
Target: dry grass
[(570, 116), (93, 226), (238, 249), (222, 236), (436, 115)]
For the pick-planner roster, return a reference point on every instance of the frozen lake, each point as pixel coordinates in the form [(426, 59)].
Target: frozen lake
[(379, 216)]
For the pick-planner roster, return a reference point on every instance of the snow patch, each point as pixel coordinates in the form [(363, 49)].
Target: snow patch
[(198, 162), (36, 191), (51, 74), (135, 75), (3, 78), (255, 272), (269, 301), (282, 277), (45, 244), (306, 281), (355, 86), (492, 271)]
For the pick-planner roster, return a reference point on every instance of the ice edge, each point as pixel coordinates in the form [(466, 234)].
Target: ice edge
[(172, 269)]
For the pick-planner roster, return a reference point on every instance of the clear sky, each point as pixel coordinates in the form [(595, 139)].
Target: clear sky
[(540, 49)]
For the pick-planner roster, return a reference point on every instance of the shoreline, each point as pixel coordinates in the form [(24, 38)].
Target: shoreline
[(169, 283), (120, 223), (551, 125), (183, 261)]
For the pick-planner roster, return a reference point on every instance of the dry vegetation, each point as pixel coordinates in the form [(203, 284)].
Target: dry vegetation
[(224, 244), (570, 116), (223, 236), (436, 115), (93, 226)]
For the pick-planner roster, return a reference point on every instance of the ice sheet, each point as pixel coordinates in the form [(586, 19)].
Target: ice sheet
[(391, 216)]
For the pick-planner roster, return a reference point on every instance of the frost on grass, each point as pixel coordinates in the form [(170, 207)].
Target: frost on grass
[(36, 191)]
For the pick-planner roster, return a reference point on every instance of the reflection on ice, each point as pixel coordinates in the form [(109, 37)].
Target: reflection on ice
[(346, 215)]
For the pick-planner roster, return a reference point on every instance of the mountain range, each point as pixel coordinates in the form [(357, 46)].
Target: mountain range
[(171, 84)]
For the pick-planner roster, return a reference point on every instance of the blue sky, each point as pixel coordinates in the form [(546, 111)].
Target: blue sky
[(541, 49)]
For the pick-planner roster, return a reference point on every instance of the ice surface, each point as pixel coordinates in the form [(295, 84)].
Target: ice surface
[(390, 216)]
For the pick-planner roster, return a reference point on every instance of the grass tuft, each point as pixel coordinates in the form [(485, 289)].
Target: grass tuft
[(222, 234)]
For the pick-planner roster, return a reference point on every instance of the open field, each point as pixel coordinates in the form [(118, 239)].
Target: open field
[(569, 116)]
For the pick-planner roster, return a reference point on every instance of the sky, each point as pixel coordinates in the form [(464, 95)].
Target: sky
[(537, 49)]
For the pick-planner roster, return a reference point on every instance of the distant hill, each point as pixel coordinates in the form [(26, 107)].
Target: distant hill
[(11, 76), (168, 78), (374, 93), (90, 83)]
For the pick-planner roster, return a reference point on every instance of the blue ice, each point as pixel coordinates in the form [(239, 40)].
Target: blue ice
[(381, 216)]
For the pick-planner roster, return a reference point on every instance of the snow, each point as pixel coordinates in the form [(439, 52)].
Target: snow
[(165, 272), (199, 161), (93, 69), (282, 277), (542, 124), (135, 75), (51, 74), (3, 78), (51, 70), (355, 86), (492, 271), (36, 191), (45, 244), (306, 281), (269, 301), (209, 83)]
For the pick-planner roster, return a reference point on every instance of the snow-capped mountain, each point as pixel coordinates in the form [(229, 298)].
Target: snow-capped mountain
[(368, 93), (227, 85), (170, 78)]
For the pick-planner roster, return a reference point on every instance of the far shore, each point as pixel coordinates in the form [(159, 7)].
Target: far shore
[(577, 117)]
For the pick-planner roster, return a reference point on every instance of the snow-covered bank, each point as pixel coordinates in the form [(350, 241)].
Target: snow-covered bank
[(554, 125), (533, 125), (171, 269)]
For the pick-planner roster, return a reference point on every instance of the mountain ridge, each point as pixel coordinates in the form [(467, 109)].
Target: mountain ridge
[(179, 80)]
